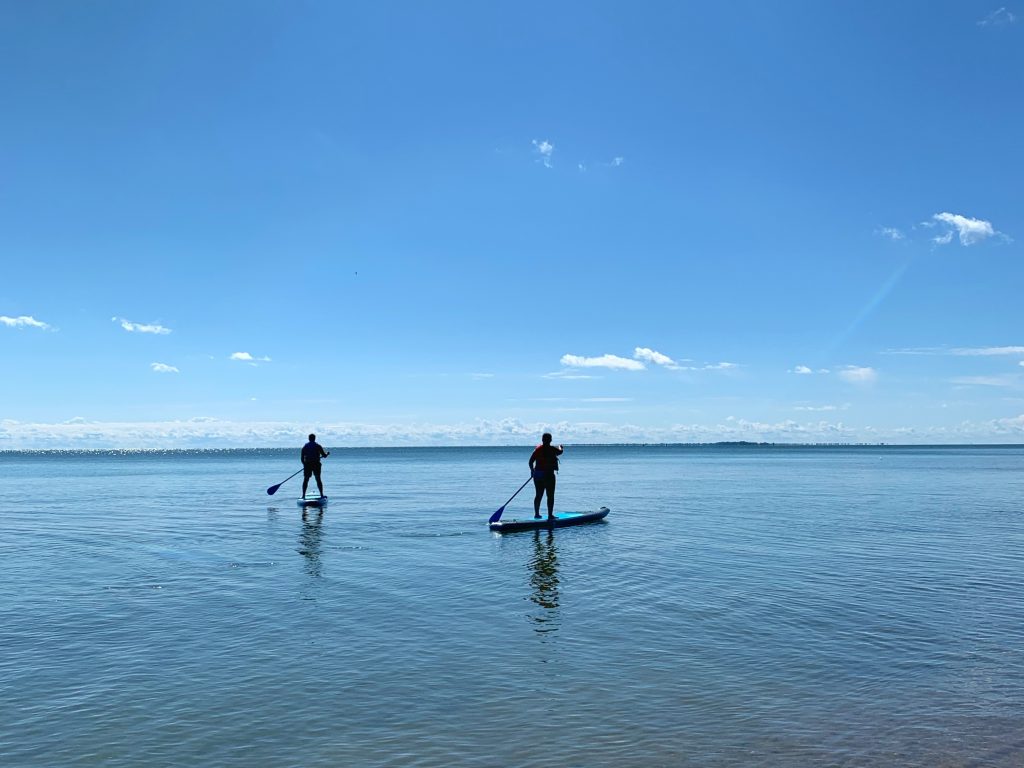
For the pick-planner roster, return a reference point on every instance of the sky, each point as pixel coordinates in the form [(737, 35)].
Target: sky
[(461, 223)]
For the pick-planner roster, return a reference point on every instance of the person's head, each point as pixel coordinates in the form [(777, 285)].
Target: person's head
[(312, 438), (546, 438)]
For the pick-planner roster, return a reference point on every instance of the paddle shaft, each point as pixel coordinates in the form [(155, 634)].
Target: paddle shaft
[(497, 515), (273, 489)]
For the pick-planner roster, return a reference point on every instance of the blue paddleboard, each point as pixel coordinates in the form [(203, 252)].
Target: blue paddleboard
[(562, 519), (312, 501)]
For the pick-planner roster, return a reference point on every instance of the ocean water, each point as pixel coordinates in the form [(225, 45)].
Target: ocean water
[(742, 606)]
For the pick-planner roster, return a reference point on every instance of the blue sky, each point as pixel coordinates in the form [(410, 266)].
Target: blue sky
[(463, 223)]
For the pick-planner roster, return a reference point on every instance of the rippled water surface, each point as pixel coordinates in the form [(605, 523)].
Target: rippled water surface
[(742, 606)]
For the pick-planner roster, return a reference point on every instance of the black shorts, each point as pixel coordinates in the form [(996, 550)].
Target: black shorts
[(311, 469), (545, 482)]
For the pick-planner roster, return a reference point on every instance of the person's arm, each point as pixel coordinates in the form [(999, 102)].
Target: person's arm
[(558, 451), (533, 460), (324, 453)]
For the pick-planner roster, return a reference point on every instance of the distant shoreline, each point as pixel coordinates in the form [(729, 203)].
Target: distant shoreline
[(722, 444)]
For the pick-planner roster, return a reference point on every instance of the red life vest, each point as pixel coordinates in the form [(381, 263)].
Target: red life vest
[(545, 457)]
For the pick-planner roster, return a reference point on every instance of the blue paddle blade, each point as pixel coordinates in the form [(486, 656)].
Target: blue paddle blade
[(496, 516)]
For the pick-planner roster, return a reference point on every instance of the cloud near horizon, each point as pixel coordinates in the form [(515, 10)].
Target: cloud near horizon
[(652, 356), (959, 351), (204, 432), (24, 321), (163, 368), (245, 357), (858, 374), (131, 327), (604, 361)]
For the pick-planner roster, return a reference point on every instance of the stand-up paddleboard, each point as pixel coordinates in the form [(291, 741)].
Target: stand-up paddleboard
[(562, 519), (312, 501)]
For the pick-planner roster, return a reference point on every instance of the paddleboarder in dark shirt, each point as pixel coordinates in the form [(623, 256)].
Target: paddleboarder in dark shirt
[(312, 452), (543, 465)]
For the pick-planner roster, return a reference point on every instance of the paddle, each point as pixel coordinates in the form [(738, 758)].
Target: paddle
[(273, 489), (497, 515)]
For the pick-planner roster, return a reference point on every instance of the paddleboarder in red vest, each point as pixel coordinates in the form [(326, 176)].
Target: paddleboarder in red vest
[(543, 465), (312, 452)]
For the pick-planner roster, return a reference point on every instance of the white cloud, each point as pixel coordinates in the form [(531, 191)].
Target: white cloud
[(998, 18), (1010, 380), (216, 433), (821, 407), (959, 351), (803, 370), (568, 375), (163, 368), (970, 230), (858, 375), (582, 167), (892, 233), (988, 351), (245, 357), (617, 161), (24, 321), (604, 361), (720, 366), (545, 149), (651, 356), (131, 327)]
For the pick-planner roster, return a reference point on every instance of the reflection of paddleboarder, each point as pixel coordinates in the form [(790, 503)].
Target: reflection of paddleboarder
[(543, 465), (312, 452), (544, 573), (310, 544)]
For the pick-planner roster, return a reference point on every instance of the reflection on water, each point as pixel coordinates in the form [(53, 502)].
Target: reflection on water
[(310, 544), (544, 580)]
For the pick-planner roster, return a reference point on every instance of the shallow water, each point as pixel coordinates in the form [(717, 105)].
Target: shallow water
[(767, 606)]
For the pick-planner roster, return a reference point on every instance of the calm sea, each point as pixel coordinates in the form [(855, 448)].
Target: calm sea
[(742, 606)]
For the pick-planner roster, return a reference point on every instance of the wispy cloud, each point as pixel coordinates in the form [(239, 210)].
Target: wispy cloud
[(652, 356), (245, 357), (617, 161), (569, 375), (1008, 380), (892, 233), (163, 368), (604, 361), (970, 231), (131, 327), (803, 370), (858, 374), (998, 18), (821, 408), (987, 351), (24, 321), (959, 351), (545, 149)]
